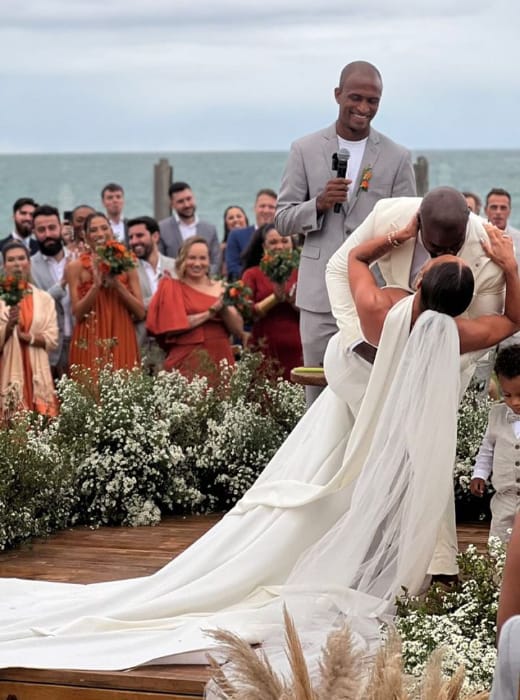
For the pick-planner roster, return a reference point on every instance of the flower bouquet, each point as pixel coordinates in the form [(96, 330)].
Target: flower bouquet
[(279, 265), (114, 258), (241, 297), (13, 288)]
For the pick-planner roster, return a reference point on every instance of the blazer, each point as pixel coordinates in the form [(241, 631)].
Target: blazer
[(391, 215), (237, 242), (308, 169), (43, 279), (171, 240)]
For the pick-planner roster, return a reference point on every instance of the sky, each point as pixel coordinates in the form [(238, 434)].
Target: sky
[(190, 75)]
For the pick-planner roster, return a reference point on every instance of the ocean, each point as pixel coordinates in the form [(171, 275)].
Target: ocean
[(217, 178)]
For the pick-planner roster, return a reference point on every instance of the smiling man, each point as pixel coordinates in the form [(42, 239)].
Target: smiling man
[(377, 168)]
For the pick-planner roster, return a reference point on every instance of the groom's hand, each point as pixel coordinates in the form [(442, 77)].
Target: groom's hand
[(335, 193)]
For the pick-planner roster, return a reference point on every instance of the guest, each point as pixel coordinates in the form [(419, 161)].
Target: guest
[(113, 199), (265, 207), (473, 201), (496, 456), (188, 315), (104, 306), (28, 332), (185, 223), (275, 331), (234, 217), (23, 211)]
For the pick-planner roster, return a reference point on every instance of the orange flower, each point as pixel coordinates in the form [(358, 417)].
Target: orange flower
[(233, 292)]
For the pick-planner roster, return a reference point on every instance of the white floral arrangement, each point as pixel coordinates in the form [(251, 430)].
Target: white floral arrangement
[(461, 620), (132, 447)]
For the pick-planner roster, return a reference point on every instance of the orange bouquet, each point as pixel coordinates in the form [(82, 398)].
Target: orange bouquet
[(241, 297), (115, 258), (279, 265), (13, 288)]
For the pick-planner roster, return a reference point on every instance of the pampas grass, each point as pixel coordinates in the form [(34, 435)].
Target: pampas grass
[(252, 677)]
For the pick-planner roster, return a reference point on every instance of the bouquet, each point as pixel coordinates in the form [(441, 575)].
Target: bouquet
[(241, 297), (115, 258), (279, 265), (13, 288)]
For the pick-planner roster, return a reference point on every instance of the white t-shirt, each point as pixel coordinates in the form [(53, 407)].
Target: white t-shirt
[(357, 151)]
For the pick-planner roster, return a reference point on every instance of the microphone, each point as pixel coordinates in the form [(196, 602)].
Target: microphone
[(340, 163)]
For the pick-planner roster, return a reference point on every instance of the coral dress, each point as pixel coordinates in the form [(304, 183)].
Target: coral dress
[(277, 334), (107, 333), (191, 350)]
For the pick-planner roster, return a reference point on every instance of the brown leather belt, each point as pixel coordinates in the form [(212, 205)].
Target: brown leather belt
[(366, 351)]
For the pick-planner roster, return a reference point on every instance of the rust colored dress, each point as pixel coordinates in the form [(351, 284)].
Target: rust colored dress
[(106, 334), (191, 351), (277, 334)]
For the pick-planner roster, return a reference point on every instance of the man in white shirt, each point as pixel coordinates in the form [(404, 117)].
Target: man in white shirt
[(143, 238), (48, 273), (185, 223), (113, 198)]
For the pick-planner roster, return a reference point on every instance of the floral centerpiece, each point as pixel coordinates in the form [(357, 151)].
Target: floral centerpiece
[(13, 288), (279, 265), (114, 258), (240, 296)]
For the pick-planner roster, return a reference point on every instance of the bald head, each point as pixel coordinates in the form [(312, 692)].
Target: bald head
[(359, 68), (443, 217)]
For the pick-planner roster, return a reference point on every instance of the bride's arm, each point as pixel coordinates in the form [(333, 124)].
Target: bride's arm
[(373, 303), (486, 331)]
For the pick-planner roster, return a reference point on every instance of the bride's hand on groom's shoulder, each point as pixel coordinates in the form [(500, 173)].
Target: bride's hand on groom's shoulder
[(499, 247)]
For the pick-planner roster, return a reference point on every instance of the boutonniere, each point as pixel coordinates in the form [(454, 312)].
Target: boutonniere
[(366, 176)]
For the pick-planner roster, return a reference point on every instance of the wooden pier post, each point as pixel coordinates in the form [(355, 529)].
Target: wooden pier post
[(162, 179), (421, 175)]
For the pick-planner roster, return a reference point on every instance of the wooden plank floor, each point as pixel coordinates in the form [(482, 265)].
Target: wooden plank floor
[(82, 555)]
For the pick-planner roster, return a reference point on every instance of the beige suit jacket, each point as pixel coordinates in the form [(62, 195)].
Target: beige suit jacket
[(391, 215)]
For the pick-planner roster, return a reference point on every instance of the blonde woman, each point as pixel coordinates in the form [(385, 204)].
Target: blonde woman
[(189, 317)]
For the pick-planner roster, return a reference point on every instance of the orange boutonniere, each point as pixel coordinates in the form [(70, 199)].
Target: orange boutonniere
[(366, 176)]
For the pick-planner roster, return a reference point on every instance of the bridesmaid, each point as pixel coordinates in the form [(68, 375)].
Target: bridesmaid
[(104, 306)]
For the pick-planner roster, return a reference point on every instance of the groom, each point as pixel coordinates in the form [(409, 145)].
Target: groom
[(445, 226)]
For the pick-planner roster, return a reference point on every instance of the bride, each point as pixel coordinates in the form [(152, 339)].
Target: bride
[(309, 533)]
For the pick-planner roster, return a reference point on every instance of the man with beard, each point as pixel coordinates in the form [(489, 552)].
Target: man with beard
[(143, 239), (185, 223), (113, 198), (23, 214), (48, 273)]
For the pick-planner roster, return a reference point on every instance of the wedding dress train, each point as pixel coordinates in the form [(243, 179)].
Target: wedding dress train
[(309, 533)]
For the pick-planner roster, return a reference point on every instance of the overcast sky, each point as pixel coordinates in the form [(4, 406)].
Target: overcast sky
[(170, 75)]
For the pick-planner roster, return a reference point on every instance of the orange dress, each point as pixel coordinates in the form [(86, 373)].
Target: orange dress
[(190, 348), (106, 334)]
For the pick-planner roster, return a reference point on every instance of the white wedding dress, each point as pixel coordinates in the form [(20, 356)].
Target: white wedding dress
[(337, 523)]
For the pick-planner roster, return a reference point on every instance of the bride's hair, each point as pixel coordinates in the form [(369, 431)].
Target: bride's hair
[(448, 288)]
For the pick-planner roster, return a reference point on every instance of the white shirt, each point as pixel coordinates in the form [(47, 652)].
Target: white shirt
[(484, 461), (187, 230), (153, 275), (118, 229), (357, 151), (56, 271)]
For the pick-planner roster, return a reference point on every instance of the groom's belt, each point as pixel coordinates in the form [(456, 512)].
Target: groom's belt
[(366, 351)]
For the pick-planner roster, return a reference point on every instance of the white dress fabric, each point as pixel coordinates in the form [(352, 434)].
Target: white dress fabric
[(309, 533)]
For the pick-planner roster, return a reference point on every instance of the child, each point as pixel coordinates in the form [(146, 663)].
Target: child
[(499, 454)]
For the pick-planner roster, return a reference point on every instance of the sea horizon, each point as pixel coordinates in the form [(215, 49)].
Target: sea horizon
[(218, 177)]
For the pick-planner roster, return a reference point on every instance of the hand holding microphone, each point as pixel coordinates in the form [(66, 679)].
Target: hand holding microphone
[(335, 192)]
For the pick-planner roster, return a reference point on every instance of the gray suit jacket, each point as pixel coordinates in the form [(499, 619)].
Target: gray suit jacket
[(172, 240), (43, 279), (308, 169), (166, 264)]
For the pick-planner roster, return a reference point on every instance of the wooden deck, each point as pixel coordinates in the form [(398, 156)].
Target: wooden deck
[(87, 556)]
